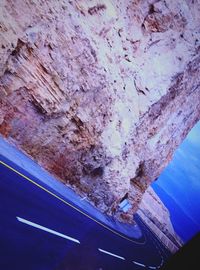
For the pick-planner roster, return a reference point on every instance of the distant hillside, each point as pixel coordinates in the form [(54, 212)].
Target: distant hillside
[(156, 216), (184, 226)]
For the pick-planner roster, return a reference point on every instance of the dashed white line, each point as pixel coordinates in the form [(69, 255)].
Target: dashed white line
[(111, 254), (140, 264), (47, 230)]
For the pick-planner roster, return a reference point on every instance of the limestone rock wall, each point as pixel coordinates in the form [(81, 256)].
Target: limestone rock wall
[(100, 93)]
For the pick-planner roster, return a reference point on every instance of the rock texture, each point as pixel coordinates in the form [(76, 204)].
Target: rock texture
[(100, 93), (157, 217)]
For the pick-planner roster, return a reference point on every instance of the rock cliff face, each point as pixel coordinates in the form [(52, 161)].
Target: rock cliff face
[(157, 217), (100, 93)]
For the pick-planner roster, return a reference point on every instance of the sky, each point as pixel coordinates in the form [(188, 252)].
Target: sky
[(179, 186)]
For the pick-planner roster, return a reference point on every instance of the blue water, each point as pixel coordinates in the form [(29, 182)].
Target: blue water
[(179, 186)]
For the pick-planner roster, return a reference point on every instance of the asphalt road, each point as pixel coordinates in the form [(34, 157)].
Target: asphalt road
[(40, 230)]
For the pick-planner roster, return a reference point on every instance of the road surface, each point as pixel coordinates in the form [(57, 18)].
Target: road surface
[(41, 230)]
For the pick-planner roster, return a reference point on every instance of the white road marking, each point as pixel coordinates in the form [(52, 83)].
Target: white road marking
[(140, 264), (111, 254), (152, 267), (47, 230)]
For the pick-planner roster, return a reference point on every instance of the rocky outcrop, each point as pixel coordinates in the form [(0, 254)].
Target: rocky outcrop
[(157, 218), (100, 93)]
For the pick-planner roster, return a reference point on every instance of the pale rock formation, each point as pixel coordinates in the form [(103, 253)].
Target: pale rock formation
[(156, 216), (100, 93)]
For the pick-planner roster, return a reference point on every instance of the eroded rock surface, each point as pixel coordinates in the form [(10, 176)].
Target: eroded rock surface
[(100, 93)]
